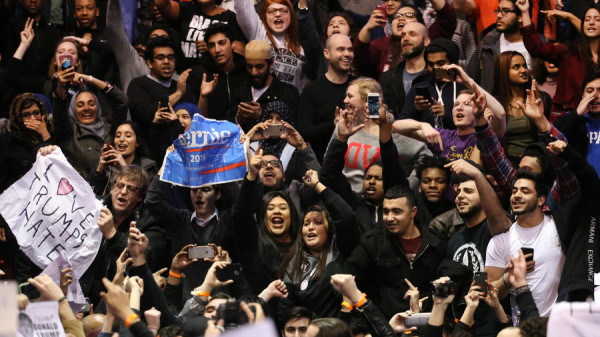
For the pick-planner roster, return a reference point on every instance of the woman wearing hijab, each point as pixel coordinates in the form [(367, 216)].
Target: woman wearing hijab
[(81, 128)]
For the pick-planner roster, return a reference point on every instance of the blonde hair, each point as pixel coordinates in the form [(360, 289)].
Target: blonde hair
[(367, 85)]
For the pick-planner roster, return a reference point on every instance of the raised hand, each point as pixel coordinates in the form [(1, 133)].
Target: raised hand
[(122, 262), (556, 147), (346, 285), (311, 178), (49, 291), (27, 34), (66, 278), (293, 137), (160, 281), (346, 127), (413, 295), (221, 255), (182, 260), (275, 289), (136, 245), (207, 87), (106, 223), (462, 167), (256, 163)]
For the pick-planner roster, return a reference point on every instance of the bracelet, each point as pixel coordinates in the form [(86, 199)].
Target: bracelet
[(506, 282), (90, 78), (175, 275), (130, 319), (347, 305), (362, 301), (200, 293), (521, 290), (62, 299)]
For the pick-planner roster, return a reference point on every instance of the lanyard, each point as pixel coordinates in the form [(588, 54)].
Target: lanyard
[(439, 92)]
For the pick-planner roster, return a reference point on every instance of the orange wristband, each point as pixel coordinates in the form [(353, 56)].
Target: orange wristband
[(200, 293), (175, 275), (130, 319), (361, 302), (347, 305)]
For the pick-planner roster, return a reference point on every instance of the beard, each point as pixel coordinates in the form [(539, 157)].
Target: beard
[(510, 28), (414, 51), (471, 211), (529, 207), (259, 82)]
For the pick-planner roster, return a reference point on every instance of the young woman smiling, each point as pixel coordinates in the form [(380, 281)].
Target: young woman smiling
[(314, 257)]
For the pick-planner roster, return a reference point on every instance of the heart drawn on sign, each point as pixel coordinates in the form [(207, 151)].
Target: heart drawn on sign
[(64, 187)]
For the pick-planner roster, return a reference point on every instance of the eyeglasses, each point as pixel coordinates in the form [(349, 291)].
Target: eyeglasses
[(408, 15), (130, 189), (274, 163), (35, 113), (281, 11), (161, 57), (504, 11)]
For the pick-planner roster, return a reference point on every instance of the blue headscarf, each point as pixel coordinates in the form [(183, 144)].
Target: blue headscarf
[(191, 108)]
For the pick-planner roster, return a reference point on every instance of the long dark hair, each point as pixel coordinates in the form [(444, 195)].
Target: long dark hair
[(24, 101), (502, 87), (267, 245), (584, 49), (296, 256)]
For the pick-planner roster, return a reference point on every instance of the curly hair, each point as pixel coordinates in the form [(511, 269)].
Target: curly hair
[(534, 327), (24, 101)]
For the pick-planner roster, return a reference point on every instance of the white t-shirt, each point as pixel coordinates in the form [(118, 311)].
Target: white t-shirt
[(515, 46), (548, 256)]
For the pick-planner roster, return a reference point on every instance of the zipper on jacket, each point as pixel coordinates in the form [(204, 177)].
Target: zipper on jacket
[(416, 257)]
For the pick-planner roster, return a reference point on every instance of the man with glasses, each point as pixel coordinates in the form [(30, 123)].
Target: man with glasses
[(122, 207), (376, 57), (144, 91), (505, 37)]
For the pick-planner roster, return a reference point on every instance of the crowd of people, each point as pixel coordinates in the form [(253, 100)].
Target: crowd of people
[(442, 156)]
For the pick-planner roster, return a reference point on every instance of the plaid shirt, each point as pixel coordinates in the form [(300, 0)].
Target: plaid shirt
[(565, 186)]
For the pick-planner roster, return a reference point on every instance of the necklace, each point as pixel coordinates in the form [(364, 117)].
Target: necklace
[(530, 244)]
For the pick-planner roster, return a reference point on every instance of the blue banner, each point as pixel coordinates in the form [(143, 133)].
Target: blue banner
[(208, 153)]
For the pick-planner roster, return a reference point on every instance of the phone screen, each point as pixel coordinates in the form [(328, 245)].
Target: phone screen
[(373, 105)]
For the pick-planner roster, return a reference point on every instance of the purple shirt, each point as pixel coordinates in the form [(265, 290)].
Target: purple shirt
[(455, 146)]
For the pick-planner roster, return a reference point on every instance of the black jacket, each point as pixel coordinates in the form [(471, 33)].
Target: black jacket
[(318, 295), (226, 85), (277, 91), (576, 222), (368, 214), (574, 128), (178, 225), (380, 266), (393, 89)]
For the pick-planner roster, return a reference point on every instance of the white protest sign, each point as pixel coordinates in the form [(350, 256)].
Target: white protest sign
[(40, 319), (74, 292), (8, 309), (52, 209)]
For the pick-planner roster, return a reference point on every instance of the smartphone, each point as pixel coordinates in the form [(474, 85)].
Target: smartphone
[(480, 279), (201, 252), (66, 61), (423, 92), (444, 75), (381, 8), (417, 320), (373, 105), (230, 272), (275, 130), (163, 100), (86, 308), (527, 250)]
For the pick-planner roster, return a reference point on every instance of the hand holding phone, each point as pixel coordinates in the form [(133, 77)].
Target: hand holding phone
[(275, 131), (527, 250), (480, 279), (163, 100), (373, 105), (381, 8), (201, 252)]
